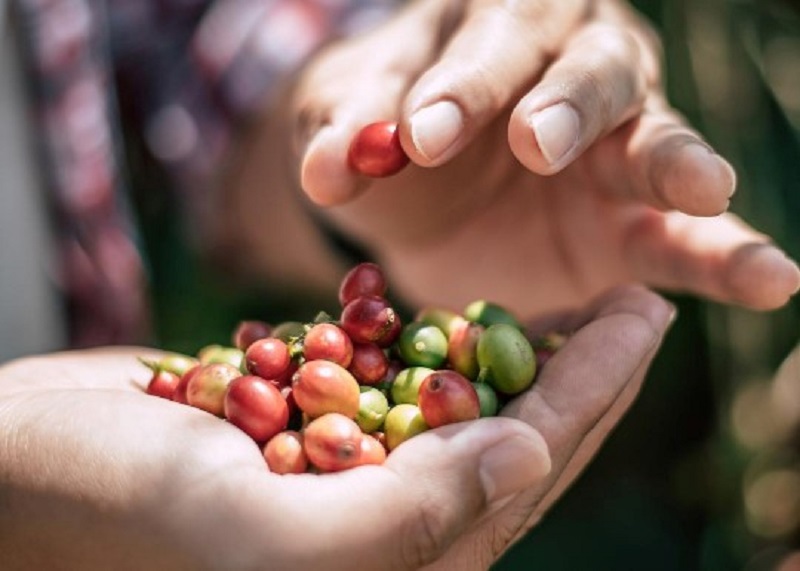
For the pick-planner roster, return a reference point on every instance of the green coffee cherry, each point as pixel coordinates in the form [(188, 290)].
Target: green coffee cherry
[(422, 345), (404, 421), (372, 410), (405, 388), (487, 313), (506, 359), (489, 402)]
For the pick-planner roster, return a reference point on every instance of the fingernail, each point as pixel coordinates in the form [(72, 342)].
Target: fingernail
[(724, 169), (729, 174), (435, 128), (673, 314), (556, 129), (511, 466)]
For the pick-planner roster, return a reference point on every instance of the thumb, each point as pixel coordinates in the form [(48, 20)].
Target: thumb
[(432, 489)]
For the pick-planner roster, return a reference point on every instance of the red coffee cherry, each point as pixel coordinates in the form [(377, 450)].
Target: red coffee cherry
[(267, 358), (163, 384), (446, 397), (364, 279), (257, 407), (180, 391), (284, 453), (369, 364), (376, 150), (247, 332), (329, 342), (372, 451), (333, 442), (321, 387), (371, 319)]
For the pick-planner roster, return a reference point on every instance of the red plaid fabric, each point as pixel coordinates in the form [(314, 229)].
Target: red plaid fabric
[(196, 68)]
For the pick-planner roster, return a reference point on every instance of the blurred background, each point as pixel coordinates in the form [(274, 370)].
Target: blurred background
[(704, 473)]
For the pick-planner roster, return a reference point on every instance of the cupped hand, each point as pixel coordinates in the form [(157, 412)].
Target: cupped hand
[(95, 474), (543, 152)]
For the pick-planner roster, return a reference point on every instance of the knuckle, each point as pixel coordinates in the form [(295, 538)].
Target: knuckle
[(427, 534), (613, 77)]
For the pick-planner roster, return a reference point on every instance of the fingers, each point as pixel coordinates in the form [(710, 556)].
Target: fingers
[(352, 85), (406, 513), (721, 258), (597, 83), (658, 160), (498, 50), (591, 381)]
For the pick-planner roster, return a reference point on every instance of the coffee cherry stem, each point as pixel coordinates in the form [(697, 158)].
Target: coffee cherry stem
[(483, 375), (150, 364)]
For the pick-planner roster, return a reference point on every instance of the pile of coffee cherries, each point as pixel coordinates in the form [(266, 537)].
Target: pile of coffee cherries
[(332, 394)]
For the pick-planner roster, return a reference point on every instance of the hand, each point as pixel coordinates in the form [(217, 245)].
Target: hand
[(543, 151), (97, 475)]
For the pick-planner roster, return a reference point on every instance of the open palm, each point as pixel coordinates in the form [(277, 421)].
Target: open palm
[(96, 474)]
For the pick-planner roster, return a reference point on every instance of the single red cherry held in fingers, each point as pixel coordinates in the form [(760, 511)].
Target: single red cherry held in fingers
[(376, 151)]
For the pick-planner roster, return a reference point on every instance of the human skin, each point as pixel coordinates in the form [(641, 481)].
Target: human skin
[(637, 196), (95, 474)]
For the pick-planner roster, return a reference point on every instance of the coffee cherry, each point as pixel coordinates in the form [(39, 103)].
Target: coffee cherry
[(321, 387), (370, 364), (370, 319), (422, 345), (446, 397), (403, 421), (248, 331), (444, 319), (333, 442), (376, 150), (267, 358), (329, 342), (221, 354), (372, 410), (372, 451), (207, 386), (487, 397), (364, 279), (163, 384), (284, 453), (487, 313), (179, 395), (405, 388), (546, 346), (462, 347), (506, 359), (257, 407), (175, 363)]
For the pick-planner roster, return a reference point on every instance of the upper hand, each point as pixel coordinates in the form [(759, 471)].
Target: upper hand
[(543, 152)]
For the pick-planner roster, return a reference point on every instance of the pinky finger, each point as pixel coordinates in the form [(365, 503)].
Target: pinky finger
[(721, 258)]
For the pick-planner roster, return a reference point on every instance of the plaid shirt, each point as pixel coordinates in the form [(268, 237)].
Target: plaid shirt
[(195, 68)]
